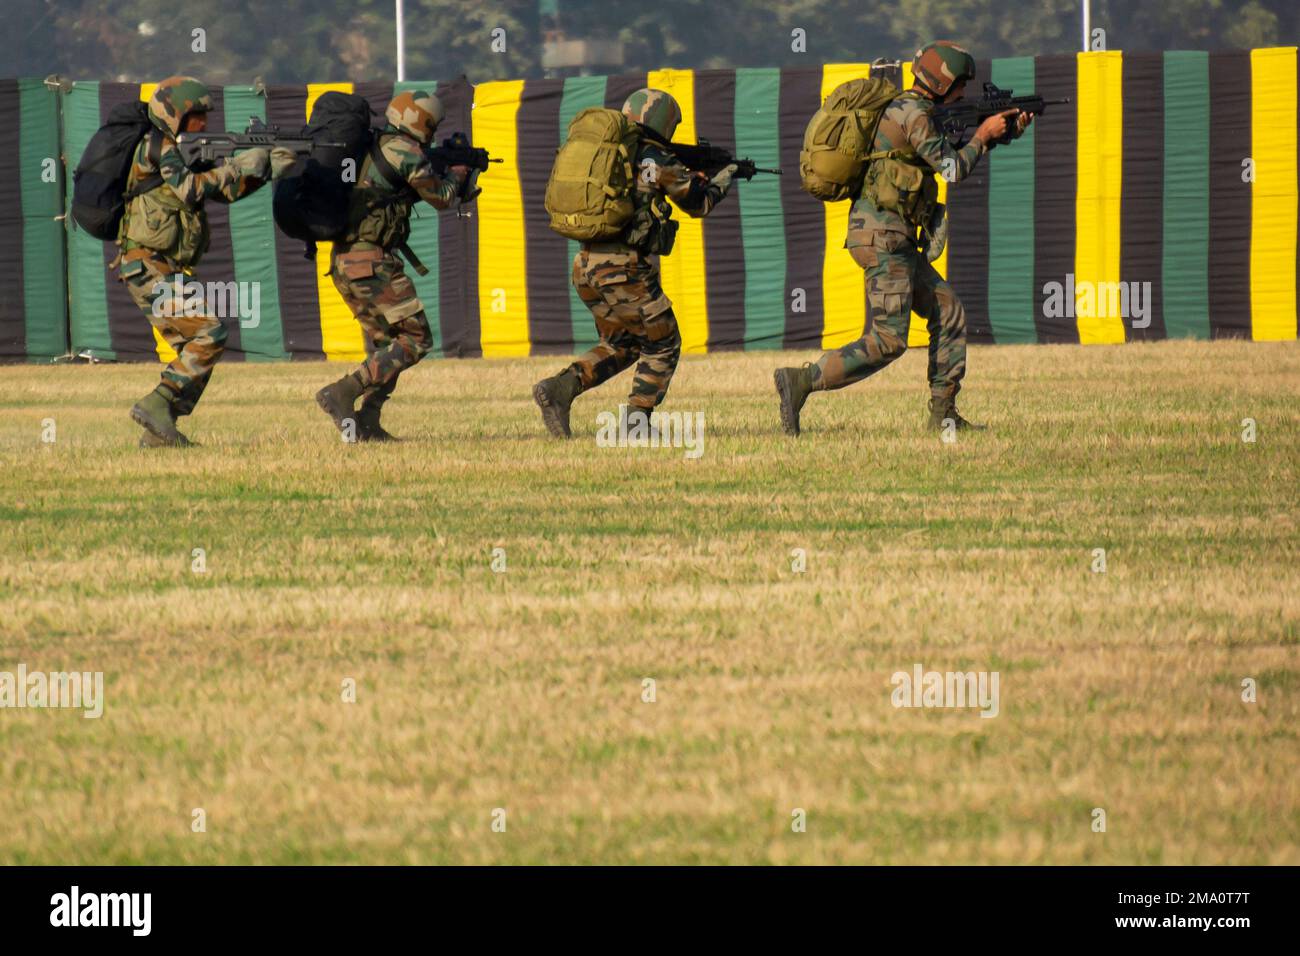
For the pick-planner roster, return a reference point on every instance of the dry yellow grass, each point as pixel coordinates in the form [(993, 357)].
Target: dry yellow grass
[(522, 690)]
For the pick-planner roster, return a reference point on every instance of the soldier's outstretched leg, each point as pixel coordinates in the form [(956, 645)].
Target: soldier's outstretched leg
[(555, 395), (656, 362), (889, 293), (382, 297), (946, 322), (199, 341), (618, 288)]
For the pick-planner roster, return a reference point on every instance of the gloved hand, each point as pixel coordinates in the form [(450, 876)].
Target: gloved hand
[(722, 179), (282, 160), (252, 162)]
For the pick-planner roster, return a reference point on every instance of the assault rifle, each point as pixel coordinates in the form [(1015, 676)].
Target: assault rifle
[(457, 151), (955, 119), (202, 150), (709, 159)]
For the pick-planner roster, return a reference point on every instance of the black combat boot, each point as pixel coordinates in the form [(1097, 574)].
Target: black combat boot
[(942, 409), (793, 385), (337, 400), (156, 414), (554, 396), (149, 440), (368, 427)]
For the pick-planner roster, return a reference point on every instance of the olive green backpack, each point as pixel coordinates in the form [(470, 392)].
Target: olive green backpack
[(838, 139), (589, 194)]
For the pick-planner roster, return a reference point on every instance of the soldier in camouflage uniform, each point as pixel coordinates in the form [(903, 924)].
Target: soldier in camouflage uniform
[(163, 235), (883, 239), (619, 280), (368, 273)]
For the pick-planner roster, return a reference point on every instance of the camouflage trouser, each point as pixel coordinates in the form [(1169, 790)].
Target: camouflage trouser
[(900, 281), (382, 297), (198, 340), (634, 319)]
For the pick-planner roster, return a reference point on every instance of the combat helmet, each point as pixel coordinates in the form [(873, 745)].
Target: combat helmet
[(175, 97), (938, 66), (415, 113), (655, 110)]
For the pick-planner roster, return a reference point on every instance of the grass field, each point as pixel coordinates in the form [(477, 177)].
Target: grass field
[(523, 690)]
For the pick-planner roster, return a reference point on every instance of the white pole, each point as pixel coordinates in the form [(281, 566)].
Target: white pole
[(1087, 21), (401, 44)]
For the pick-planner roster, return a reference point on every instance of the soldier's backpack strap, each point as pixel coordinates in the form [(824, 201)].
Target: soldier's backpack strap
[(409, 255), (885, 154), (153, 152), (402, 191), (401, 188)]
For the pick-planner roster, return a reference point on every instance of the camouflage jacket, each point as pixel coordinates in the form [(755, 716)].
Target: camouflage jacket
[(661, 176), (376, 217), (169, 220), (907, 125)]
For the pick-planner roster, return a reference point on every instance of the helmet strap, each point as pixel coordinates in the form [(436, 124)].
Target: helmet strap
[(916, 79), (652, 135)]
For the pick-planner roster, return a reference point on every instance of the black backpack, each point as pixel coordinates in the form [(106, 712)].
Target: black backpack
[(99, 193), (313, 204)]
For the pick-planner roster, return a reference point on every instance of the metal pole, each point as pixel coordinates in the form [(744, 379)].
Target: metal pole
[(1087, 21), (401, 43)]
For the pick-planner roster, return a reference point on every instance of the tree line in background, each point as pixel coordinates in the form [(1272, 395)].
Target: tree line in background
[(296, 41)]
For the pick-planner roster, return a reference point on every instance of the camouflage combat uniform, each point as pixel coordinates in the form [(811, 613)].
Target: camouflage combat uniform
[(164, 234), (619, 281), (899, 279), (368, 273), (365, 267), (897, 197)]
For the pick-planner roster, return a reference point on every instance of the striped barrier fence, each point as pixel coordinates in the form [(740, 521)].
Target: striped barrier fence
[(1161, 202)]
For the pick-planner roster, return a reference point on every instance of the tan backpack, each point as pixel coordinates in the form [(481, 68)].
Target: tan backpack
[(589, 194), (837, 142)]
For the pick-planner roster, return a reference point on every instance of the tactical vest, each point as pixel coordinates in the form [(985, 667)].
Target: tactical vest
[(376, 215), (652, 229), (900, 181), (160, 220)]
